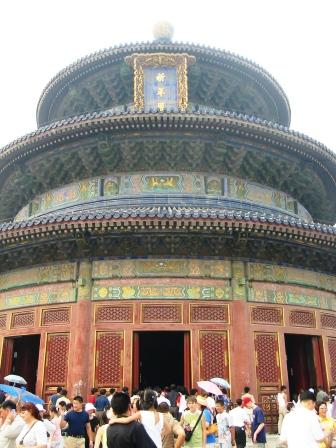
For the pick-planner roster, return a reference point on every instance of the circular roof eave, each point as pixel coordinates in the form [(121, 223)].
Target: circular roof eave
[(218, 119), (92, 62), (253, 221)]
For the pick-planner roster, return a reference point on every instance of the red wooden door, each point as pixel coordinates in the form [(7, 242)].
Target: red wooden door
[(56, 362), (109, 371), (7, 357), (267, 361), (319, 361), (213, 355)]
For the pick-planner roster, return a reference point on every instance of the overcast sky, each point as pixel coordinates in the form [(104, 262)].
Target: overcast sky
[(293, 39)]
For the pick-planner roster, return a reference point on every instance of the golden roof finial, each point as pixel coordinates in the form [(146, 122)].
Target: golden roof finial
[(163, 32)]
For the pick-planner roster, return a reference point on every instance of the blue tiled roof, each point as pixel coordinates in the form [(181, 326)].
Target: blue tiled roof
[(196, 111), (174, 213)]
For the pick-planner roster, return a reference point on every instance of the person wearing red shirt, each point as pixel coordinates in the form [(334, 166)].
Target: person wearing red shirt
[(92, 398)]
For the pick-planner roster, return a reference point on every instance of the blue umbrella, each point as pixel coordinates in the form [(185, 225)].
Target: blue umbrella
[(11, 390), (21, 394), (221, 382)]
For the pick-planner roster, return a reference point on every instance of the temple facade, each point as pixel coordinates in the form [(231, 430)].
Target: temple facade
[(163, 224)]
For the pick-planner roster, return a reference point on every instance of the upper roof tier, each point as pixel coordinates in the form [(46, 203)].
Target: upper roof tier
[(218, 79)]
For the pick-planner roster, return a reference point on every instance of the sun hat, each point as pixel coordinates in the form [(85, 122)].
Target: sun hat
[(89, 407), (40, 408), (201, 400)]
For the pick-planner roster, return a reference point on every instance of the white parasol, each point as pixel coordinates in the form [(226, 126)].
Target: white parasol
[(16, 379)]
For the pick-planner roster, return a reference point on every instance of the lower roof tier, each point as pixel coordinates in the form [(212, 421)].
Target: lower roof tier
[(168, 232), (174, 189)]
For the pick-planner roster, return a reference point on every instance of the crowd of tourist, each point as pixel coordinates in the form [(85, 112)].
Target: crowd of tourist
[(309, 420), (164, 418)]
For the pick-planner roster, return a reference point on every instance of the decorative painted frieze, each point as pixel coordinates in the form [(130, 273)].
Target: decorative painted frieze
[(283, 274), (294, 296), (161, 268), (38, 295), (39, 275), (106, 290), (162, 183)]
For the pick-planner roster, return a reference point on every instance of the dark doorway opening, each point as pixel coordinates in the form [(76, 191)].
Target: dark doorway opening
[(20, 357), (160, 358), (305, 362)]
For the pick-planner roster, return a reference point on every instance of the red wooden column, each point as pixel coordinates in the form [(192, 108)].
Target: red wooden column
[(81, 355), (241, 343), (195, 357), (186, 360), (241, 350), (127, 361), (136, 359)]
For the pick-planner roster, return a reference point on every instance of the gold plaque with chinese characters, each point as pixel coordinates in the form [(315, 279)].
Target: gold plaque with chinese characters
[(160, 81)]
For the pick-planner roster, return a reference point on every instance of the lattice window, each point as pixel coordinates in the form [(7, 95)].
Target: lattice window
[(23, 319), (161, 313), (300, 318), (210, 313), (270, 316), (267, 358), (332, 354), (57, 359), (56, 316), (114, 314), (214, 354), (109, 359), (3, 320), (328, 321)]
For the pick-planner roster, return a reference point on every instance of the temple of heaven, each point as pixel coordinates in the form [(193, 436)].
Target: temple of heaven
[(164, 225)]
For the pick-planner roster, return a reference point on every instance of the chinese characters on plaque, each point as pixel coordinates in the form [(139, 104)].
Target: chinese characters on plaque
[(160, 81), (160, 89)]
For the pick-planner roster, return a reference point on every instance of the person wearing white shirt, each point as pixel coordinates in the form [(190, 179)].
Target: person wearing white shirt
[(110, 395), (238, 421), (49, 426), (301, 428), (182, 404), (222, 419), (282, 406), (33, 434), (11, 426)]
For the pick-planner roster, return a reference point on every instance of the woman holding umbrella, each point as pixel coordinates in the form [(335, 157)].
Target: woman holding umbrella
[(33, 433)]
